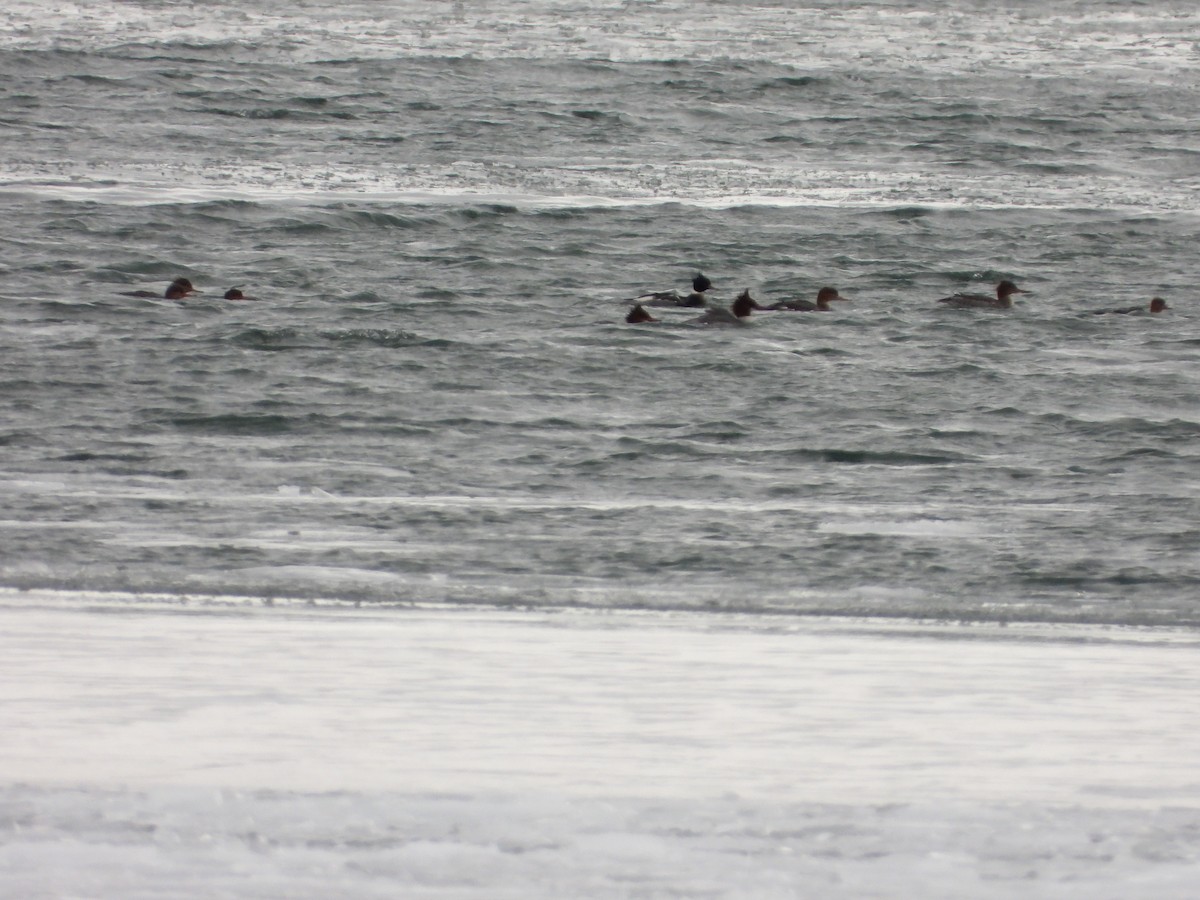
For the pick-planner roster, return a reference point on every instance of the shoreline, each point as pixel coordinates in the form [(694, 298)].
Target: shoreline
[(769, 618)]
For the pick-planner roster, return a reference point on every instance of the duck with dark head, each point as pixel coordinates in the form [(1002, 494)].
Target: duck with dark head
[(176, 290), (700, 284)]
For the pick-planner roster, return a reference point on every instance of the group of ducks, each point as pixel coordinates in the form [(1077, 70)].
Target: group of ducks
[(745, 304), (182, 288), (740, 309)]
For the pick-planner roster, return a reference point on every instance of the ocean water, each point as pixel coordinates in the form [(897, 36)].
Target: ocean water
[(434, 414)]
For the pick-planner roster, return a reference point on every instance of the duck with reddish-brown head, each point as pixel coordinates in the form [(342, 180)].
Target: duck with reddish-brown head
[(735, 315), (1157, 305), (176, 290), (638, 315), (1002, 300), (825, 296)]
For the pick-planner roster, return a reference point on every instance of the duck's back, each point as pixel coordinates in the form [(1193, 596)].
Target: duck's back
[(969, 301)]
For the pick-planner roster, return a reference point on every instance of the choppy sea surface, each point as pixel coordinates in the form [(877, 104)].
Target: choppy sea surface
[(442, 209)]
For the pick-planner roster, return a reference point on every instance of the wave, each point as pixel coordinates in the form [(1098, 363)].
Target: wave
[(716, 187), (244, 423), (332, 588), (883, 458), (287, 339)]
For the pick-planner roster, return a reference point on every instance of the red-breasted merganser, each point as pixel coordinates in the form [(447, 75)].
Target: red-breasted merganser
[(1157, 305), (176, 290), (638, 314), (735, 315), (700, 284), (1002, 300), (236, 294), (825, 296)]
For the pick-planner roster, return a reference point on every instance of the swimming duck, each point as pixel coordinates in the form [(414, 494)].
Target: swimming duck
[(1157, 305), (176, 290), (700, 284), (638, 314), (825, 296), (236, 294), (744, 304), (735, 315), (1002, 300)]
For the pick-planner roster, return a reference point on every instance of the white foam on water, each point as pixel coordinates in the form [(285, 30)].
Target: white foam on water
[(562, 187), (1112, 42), (432, 751)]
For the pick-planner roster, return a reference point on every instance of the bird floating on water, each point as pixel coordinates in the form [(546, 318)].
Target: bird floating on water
[(700, 284), (1157, 305), (176, 290), (638, 314), (825, 296), (1002, 300), (737, 313)]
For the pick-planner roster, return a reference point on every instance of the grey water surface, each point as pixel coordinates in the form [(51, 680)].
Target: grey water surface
[(442, 212)]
